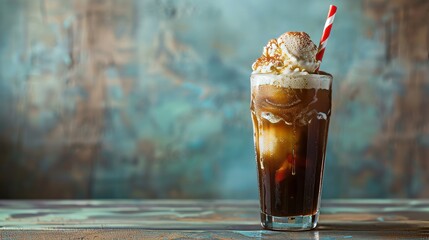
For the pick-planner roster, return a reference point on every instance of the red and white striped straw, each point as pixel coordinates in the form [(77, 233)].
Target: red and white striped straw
[(326, 32)]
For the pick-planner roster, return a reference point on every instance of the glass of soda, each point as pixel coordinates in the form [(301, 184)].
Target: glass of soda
[(290, 115)]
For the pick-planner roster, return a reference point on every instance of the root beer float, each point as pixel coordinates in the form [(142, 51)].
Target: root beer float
[(290, 109)]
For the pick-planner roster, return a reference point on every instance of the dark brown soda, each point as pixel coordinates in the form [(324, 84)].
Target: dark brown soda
[(290, 133)]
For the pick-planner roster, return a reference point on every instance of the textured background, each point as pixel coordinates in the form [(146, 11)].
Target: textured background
[(150, 99)]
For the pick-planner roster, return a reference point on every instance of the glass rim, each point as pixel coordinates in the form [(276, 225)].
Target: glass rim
[(298, 81), (320, 73)]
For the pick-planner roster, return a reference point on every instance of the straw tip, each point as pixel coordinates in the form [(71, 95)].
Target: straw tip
[(333, 7)]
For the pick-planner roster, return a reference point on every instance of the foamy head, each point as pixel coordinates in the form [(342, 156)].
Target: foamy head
[(307, 81)]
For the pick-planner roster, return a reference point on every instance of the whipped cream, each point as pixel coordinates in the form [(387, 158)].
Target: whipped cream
[(291, 53)]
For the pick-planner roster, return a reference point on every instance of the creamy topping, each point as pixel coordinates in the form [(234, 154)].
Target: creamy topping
[(291, 53), (307, 81)]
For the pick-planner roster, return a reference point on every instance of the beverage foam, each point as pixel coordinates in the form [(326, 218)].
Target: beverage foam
[(295, 81)]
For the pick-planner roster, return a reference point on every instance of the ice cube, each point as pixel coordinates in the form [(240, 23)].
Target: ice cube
[(271, 117), (275, 141), (268, 142), (321, 115)]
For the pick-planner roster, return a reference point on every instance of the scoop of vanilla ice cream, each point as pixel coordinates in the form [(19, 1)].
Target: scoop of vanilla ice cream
[(291, 53)]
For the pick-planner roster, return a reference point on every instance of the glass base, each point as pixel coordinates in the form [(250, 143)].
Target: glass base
[(291, 223)]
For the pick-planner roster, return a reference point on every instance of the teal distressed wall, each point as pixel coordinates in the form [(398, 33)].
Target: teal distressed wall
[(150, 99)]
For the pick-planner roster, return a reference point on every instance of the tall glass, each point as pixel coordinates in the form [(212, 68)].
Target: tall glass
[(290, 115)]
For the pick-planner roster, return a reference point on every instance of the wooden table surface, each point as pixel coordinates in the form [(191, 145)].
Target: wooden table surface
[(184, 219)]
